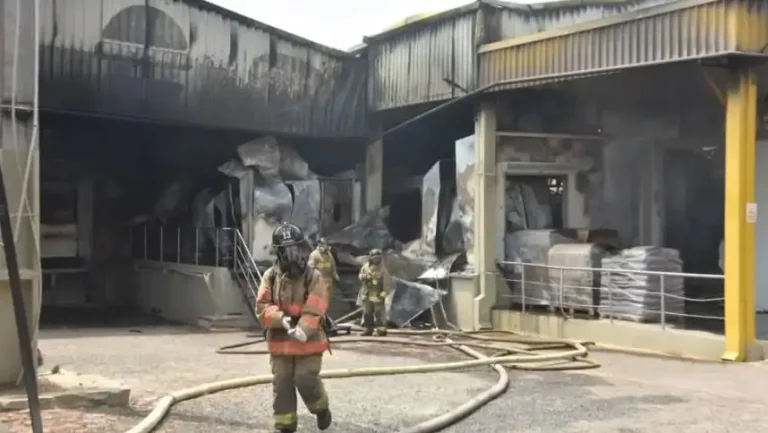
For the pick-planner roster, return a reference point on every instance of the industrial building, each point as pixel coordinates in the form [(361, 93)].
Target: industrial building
[(150, 143)]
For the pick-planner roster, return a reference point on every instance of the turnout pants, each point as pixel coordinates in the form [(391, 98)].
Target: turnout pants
[(292, 373), (375, 314)]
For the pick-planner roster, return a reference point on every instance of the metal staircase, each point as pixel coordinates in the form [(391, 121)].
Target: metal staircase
[(246, 273)]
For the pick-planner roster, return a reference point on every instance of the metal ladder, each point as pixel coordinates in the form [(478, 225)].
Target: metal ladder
[(246, 273)]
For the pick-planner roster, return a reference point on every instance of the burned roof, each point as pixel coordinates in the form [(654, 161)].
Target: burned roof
[(431, 19), (206, 5)]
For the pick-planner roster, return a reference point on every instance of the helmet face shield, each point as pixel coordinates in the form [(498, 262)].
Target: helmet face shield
[(291, 249), (292, 259)]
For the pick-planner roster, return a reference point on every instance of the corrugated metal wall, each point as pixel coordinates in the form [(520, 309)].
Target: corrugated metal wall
[(410, 68), (511, 23), (676, 32), (186, 61)]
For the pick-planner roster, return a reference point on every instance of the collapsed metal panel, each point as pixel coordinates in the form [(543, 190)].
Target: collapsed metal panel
[(441, 231), (200, 65), (671, 32), (465, 197)]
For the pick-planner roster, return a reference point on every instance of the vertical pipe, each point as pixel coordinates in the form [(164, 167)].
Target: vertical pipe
[(216, 248), (197, 246), (740, 214), (19, 309), (522, 285), (560, 288), (178, 245), (162, 243), (663, 303), (485, 217)]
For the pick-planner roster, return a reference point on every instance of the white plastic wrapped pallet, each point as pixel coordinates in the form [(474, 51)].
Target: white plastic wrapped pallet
[(575, 289)]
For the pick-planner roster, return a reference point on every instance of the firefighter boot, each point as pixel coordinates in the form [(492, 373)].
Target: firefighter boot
[(324, 419), (284, 430), (368, 332), (381, 332)]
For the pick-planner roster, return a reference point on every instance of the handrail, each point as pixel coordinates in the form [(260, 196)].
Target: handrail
[(248, 254), (661, 293), (243, 269)]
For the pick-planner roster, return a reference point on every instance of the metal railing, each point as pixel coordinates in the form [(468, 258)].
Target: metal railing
[(246, 272), (614, 294), (207, 246), (214, 246)]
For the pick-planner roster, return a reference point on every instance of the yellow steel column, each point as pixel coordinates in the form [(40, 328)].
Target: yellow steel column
[(740, 214)]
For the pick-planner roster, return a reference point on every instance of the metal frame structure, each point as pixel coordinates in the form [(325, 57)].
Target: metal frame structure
[(729, 33)]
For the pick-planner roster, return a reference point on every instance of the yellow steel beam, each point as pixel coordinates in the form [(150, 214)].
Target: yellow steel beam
[(740, 214)]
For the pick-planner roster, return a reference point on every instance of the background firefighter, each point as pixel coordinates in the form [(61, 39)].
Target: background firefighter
[(322, 260), (291, 304), (376, 286)]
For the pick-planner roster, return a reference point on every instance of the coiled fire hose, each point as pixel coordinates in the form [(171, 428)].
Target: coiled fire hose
[(512, 351)]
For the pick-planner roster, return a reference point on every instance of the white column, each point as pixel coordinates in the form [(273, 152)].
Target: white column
[(485, 224)]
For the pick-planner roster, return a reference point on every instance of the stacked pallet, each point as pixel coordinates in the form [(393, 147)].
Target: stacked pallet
[(530, 284), (635, 296), (576, 289)]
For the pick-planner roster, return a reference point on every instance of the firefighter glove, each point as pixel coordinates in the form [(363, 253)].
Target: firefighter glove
[(297, 334), (286, 322)]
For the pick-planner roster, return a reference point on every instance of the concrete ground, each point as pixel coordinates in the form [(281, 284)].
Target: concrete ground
[(627, 395)]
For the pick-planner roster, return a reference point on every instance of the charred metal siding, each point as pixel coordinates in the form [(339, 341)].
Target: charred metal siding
[(505, 23), (411, 67), (674, 32), (192, 62)]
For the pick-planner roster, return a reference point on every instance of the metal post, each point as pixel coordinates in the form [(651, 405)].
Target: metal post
[(560, 288), (216, 249), (145, 242), (197, 245), (178, 245), (161, 244), (234, 251), (740, 213), (610, 296), (20, 314), (663, 303), (522, 285)]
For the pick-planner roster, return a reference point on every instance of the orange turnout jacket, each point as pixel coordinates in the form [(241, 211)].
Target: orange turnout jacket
[(304, 299)]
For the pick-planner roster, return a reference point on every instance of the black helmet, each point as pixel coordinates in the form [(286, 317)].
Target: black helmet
[(290, 248)]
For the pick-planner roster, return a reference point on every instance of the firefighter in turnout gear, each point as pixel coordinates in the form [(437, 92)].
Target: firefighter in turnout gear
[(291, 304), (322, 260), (376, 286)]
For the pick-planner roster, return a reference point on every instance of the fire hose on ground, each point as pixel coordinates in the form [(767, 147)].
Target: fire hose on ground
[(530, 353)]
